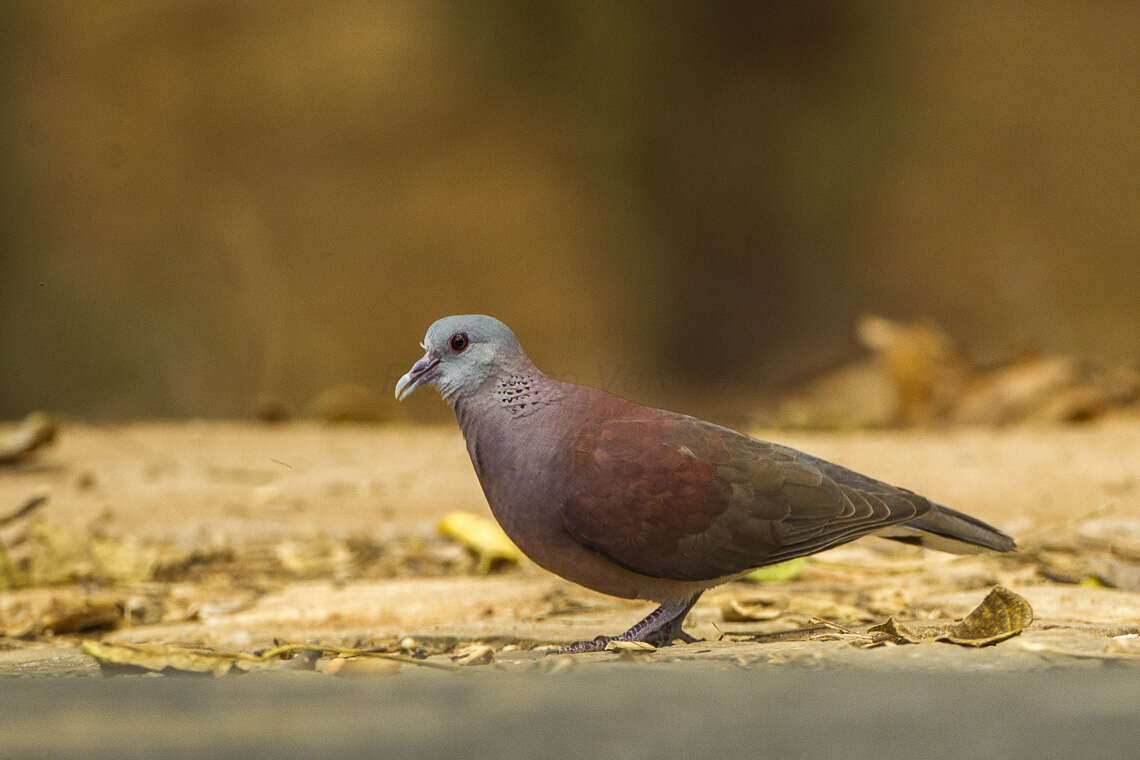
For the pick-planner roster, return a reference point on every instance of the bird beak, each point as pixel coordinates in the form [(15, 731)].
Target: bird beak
[(420, 373)]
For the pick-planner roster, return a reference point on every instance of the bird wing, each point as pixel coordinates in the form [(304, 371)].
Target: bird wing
[(672, 496)]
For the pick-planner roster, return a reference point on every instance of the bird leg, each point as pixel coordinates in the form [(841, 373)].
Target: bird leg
[(659, 628)]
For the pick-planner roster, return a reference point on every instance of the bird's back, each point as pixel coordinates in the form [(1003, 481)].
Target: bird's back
[(673, 496)]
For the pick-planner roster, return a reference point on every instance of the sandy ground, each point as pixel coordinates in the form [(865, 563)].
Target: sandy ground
[(282, 503), (186, 480)]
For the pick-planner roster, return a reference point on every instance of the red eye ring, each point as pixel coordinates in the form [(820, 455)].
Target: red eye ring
[(458, 342)]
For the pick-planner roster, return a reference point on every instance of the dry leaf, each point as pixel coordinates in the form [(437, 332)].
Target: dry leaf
[(87, 617), (794, 634), (630, 647), (66, 614), (176, 659), (482, 536), (893, 631), (172, 659), (474, 654), (1001, 614)]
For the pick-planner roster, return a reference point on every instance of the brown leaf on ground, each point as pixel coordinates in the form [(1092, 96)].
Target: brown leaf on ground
[(474, 654), (1001, 614), (1054, 603), (126, 658), (117, 658), (64, 613), (629, 648), (793, 634), (893, 631)]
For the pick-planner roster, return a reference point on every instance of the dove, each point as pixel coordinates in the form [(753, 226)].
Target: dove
[(644, 503)]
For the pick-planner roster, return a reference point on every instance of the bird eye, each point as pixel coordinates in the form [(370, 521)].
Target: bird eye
[(458, 342)]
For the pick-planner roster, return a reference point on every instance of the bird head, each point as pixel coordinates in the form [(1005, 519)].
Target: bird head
[(462, 353)]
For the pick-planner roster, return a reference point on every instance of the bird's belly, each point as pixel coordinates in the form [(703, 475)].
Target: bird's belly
[(539, 534), (521, 502)]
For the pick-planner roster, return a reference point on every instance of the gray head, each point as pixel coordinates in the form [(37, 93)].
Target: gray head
[(463, 352)]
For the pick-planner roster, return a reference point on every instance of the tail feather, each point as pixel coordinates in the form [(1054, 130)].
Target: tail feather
[(951, 531)]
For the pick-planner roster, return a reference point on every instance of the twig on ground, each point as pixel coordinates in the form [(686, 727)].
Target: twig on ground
[(29, 506)]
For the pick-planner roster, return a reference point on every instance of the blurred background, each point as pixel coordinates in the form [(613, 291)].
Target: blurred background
[(222, 209)]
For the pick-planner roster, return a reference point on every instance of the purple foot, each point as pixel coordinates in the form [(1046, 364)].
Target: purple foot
[(660, 628)]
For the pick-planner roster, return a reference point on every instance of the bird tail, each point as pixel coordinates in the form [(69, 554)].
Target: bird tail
[(949, 530)]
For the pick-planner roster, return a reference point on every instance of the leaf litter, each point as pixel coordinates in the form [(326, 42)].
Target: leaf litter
[(93, 581), (169, 659), (1000, 616)]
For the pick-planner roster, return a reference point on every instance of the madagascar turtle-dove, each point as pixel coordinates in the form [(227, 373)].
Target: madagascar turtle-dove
[(644, 503)]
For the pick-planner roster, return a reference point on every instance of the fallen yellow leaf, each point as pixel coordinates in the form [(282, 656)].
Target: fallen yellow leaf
[(779, 573), (482, 536)]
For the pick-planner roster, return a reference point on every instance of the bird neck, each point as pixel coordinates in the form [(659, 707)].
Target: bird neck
[(513, 428), (513, 392)]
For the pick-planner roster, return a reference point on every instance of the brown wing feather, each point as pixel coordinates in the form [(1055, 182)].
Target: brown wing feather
[(675, 497)]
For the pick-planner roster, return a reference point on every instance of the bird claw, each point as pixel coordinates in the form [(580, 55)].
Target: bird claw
[(660, 628), (599, 643)]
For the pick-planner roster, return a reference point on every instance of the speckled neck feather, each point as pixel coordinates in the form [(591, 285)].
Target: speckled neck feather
[(522, 394)]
